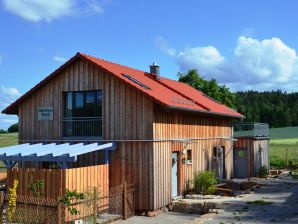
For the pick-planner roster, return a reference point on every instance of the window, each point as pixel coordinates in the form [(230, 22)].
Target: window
[(136, 81), (214, 153), (82, 114), (189, 156)]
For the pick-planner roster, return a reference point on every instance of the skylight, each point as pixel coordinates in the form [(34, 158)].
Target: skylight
[(136, 81)]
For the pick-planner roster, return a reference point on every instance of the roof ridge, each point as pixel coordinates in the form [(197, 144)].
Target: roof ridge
[(111, 62)]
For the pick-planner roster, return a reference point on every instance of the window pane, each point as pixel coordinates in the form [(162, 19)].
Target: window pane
[(68, 104), (98, 106), (90, 104), (79, 104)]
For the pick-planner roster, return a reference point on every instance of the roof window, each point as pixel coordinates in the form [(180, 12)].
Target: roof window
[(136, 81)]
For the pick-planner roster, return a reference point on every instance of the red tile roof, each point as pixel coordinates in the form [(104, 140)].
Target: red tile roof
[(165, 91)]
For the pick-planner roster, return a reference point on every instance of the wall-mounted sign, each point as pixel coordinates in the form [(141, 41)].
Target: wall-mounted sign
[(45, 113)]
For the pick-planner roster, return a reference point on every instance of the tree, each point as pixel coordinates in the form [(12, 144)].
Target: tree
[(211, 88), (2, 131), (13, 128)]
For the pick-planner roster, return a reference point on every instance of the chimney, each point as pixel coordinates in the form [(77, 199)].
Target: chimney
[(154, 69)]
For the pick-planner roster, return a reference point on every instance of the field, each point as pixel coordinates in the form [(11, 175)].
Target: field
[(8, 139), (283, 147)]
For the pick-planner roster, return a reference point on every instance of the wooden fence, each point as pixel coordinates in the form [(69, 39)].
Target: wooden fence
[(118, 203), (56, 181)]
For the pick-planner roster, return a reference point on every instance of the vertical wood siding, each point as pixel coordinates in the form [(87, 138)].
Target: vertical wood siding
[(127, 114), (252, 145), (185, 125), (85, 178), (56, 181)]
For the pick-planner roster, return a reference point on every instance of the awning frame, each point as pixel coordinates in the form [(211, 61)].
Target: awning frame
[(62, 154)]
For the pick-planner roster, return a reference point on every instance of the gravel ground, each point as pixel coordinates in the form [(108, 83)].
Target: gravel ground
[(283, 193), (284, 208), (163, 218)]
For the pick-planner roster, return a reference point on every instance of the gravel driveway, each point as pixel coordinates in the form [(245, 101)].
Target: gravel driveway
[(283, 193), (284, 208)]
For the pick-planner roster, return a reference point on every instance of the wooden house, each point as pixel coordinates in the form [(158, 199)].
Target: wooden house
[(164, 130), (251, 150)]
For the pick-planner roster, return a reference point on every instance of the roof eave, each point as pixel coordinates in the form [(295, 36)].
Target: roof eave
[(240, 116)]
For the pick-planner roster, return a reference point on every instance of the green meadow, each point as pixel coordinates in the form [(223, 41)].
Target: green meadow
[(284, 147), (8, 139)]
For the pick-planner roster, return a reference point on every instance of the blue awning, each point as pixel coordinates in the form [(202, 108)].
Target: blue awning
[(60, 153)]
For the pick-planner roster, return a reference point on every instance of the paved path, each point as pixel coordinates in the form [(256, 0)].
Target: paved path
[(284, 209)]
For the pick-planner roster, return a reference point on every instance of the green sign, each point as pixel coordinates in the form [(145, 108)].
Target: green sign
[(45, 113)]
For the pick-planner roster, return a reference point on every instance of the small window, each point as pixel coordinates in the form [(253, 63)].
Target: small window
[(189, 156), (214, 153)]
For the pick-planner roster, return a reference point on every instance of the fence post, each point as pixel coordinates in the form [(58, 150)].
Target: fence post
[(1, 199), (59, 214), (95, 204), (124, 201), (1, 206), (287, 164)]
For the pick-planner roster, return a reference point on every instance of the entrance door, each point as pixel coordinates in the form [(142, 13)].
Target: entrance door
[(221, 163), (174, 174), (240, 163)]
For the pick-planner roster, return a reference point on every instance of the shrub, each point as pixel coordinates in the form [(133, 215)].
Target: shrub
[(204, 182), (295, 174), (276, 162), (13, 128), (263, 172)]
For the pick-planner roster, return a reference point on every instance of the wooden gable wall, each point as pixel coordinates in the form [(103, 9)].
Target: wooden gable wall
[(127, 114)]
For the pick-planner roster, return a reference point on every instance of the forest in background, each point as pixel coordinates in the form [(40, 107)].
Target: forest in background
[(277, 108)]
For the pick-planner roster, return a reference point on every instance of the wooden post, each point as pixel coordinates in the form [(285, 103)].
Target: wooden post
[(1, 199), (124, 201), (59, 213), (287, 157), (1, 206), (94, 205)]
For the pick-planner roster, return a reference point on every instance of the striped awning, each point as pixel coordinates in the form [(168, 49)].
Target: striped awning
[(60, 153)]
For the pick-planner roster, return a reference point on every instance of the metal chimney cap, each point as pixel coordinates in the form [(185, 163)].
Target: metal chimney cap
[(154, 64)]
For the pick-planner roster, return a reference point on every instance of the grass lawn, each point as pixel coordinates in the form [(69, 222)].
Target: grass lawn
[(283, 147), (8, 139)]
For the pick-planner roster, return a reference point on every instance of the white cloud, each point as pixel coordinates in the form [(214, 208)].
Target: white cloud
[(49, 10), (7, 96), (267, 64), (59, 59), (207, 58)]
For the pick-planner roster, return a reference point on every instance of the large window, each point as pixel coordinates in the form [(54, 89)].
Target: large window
[(83, 114)]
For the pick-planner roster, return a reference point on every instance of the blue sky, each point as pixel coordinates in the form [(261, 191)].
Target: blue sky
[(243, 44)]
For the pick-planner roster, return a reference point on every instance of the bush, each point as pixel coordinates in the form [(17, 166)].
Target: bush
[(277, 163), (204, 182), (295, 174), (13, 128), (263, 172)]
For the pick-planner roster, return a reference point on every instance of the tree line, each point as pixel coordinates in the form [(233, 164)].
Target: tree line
[(277, 108)]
